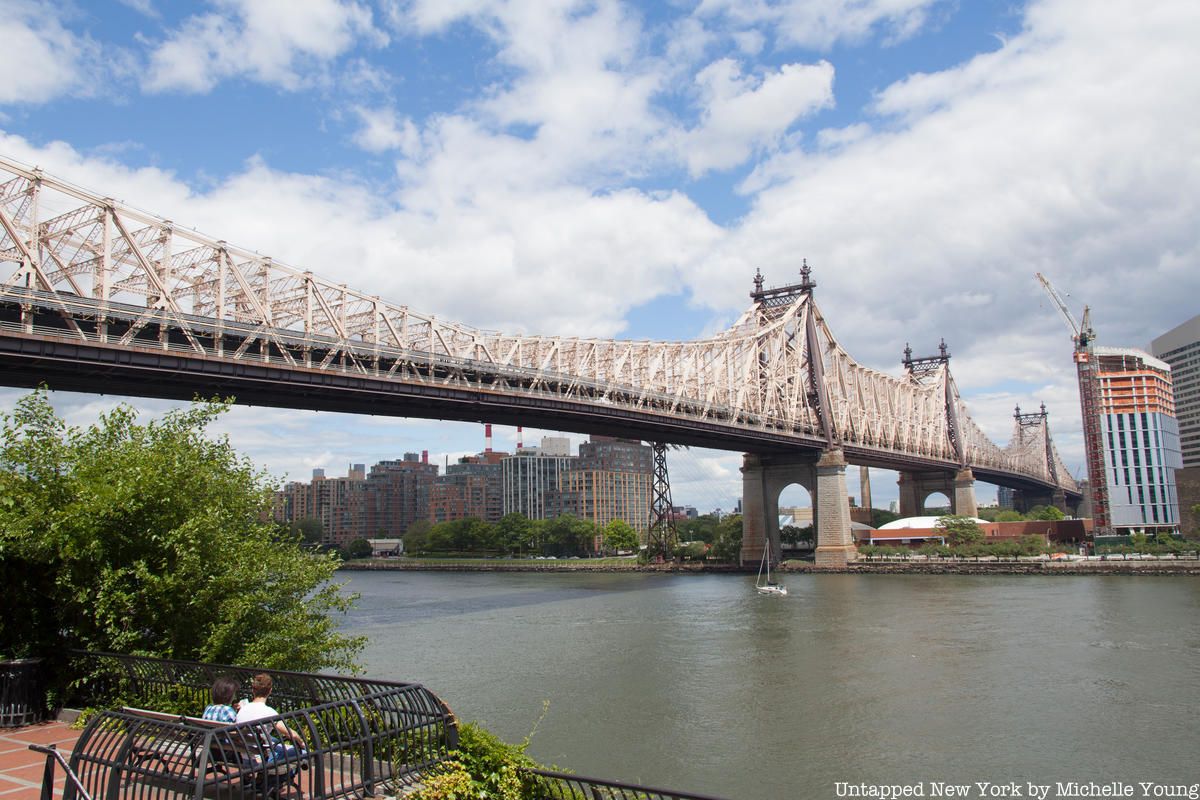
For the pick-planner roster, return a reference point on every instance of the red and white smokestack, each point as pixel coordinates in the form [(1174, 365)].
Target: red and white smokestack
[(520, 444), (424, 456), (487, 438)]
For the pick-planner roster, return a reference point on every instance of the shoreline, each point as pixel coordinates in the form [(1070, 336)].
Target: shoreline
[(1115, 567)]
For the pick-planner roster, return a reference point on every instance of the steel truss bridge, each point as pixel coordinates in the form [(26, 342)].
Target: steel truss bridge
[(99, 297)]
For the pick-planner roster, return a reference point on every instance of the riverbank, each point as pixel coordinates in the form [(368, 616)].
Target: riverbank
[(932, 567)]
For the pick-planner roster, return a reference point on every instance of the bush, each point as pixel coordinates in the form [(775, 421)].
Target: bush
[(154, 539)]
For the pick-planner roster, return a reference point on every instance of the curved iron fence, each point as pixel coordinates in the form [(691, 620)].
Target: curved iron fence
[(547, 785)]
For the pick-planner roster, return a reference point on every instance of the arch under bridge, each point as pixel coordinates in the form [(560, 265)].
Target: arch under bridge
[(96, 296)]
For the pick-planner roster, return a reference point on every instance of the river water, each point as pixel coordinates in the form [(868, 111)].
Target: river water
[(699, 684)]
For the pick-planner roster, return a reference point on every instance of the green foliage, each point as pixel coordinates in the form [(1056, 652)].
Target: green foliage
[(794, 534), (565, 535), (309, 529), (692, 551), (620, 535), (452, 783), (1046, 513), (358, 548), (700, 529), (960, 530), (515, 533), (727, 546), (153, 539), (880, 517), (1008, 515), (416, 538)]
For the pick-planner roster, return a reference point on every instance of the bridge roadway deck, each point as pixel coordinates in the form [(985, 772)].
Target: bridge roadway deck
[(30, 360)]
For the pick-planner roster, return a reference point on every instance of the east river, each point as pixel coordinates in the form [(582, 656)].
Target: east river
[(697, 683)]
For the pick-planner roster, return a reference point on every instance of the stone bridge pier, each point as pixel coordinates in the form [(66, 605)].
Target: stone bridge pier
[(765, 477), (959, 487)]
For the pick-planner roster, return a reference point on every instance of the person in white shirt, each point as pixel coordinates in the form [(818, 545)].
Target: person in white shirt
[(257, 708)]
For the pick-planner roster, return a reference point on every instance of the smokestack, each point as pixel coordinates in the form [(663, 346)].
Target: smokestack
[(487, 438), (424, 456), (520, 444)]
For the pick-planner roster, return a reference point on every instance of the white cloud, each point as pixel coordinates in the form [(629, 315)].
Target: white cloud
[(383, 131), (279, 42), (820, 24), (742, 114), (41, 59)]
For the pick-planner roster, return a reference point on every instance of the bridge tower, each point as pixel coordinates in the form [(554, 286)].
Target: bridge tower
[(1037, 424), (824, 474), (661, 536), (958, 486)]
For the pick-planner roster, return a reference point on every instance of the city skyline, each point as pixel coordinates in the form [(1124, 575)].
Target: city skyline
[(602, 170)]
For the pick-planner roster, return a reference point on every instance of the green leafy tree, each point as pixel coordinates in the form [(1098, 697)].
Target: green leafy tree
[(728, 543), (700, 529), (881, 517), (1008, 515), (960, 531), (154, 539), (416, 538), (358, 548), (309, 529), (1046, 513), (567, 535), (514, 533), (620, 535)]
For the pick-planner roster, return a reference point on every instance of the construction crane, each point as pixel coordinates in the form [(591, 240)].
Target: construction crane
[(1087, 368)]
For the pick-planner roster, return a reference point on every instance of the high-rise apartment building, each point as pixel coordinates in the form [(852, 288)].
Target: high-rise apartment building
[(611, 479), (1141, 440), (398, 495), (530, 474), (1180, 348), (473, 487)]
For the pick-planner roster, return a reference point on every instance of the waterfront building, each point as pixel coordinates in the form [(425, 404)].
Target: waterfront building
[(530, 474), (472, 487), (1180, 348), (609, 480), (1006, 498), (1141, 440), (336, 502), (398, 494)]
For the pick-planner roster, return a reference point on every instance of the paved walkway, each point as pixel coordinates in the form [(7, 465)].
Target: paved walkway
[(21, 768)]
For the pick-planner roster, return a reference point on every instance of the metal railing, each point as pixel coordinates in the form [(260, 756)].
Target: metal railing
[(362, 737), (547, 785), (53, 758)]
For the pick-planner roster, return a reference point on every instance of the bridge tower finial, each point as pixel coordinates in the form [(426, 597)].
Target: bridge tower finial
[(907, 354), (1044, 412), (758, 280), (942, 348), (805, 275), (1017, 413)]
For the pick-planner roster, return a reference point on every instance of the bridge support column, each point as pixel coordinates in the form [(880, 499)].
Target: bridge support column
[(910, 504), (763, 479), (754, 513), (964, 494), (835, 545)]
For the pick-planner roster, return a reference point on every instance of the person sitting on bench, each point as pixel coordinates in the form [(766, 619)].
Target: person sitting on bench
[(222, 708), (257, 708)]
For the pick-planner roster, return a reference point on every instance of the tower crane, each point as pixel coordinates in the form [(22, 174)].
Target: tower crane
[(1087, 367)]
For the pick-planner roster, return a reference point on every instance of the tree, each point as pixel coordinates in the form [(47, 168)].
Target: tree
[(154, 539), (960, 531), (1047, 513), (727, 546), (567, 535), (514, 533), (1008, 515), (880, 517), (309, 529), (416, 537), (620, 535), (700, 529), (358, 548)]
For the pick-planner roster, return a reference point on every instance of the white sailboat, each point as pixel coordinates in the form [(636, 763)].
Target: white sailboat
[(767, 586)]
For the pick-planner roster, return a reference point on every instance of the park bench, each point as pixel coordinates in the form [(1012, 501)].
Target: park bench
[(231, 753)]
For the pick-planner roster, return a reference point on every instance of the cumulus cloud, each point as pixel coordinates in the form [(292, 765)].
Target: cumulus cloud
[(41, 59), (742, 114), (820, 24), (277, 42)]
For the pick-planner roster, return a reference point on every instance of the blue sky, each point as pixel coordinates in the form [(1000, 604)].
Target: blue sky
[(621, 169)]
